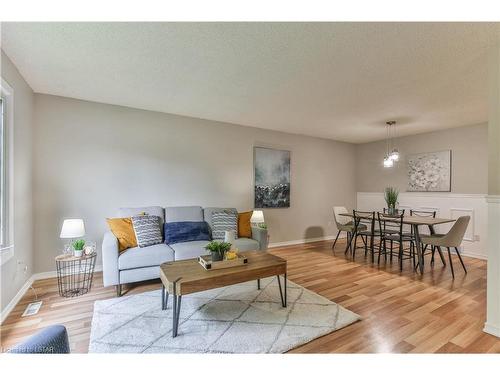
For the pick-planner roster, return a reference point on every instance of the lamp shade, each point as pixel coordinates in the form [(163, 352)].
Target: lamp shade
[(257, 217), (72, 228), (229, 236)]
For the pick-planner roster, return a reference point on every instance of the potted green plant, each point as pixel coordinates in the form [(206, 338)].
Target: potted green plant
[(78, 247), (218, 249), (391, 198)]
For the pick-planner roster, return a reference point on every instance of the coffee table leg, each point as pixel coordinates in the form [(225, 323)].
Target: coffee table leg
[(164, 298), (285, 289), (283, 299), (176, 311), (258, 284)]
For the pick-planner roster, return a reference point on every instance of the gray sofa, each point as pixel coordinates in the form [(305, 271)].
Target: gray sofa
[(138, 264)]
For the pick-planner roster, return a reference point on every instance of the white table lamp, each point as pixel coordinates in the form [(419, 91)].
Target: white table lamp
[(257, 217), (72, 228)]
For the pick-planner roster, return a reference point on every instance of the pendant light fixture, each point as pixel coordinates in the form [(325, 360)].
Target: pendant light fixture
[(392, 153)]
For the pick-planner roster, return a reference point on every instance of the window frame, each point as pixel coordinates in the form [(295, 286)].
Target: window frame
[(7, 173)]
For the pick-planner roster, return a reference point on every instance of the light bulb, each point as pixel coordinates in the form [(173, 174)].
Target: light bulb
[(388, 163), (394, 156)]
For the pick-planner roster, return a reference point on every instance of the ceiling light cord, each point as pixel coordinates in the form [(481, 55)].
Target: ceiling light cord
[(392, 153)]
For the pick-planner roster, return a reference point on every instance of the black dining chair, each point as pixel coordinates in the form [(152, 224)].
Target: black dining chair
[(364, 224), (391, 229)]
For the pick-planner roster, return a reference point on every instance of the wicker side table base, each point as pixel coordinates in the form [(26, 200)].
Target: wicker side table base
[(75, 274)]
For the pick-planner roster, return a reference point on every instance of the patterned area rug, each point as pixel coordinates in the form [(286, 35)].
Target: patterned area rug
[(234, 319)]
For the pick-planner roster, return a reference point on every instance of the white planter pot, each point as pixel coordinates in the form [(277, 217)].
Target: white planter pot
[(77, 253)]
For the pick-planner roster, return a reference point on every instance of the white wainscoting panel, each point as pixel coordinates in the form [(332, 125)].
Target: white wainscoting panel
[(447, 205), (457, 212)]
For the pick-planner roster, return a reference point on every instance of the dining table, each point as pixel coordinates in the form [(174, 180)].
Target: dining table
[(415, 222)]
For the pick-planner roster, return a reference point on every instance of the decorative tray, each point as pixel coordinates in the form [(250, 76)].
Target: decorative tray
[(207, 263)]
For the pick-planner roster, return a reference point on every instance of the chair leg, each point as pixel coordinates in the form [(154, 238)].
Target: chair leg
[(355, 245), (451, 263), (461, 261), (433, 252), (334, 242), (412, 253), (380, 248), (363, 239), (372, 246), (348, 243), (119, 290), (441, 255), (401, 256)]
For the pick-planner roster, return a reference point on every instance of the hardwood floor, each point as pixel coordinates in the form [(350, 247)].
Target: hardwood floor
[(401, 312)]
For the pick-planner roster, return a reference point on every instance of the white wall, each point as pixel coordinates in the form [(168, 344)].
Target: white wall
[(92, 158), (469, 154), (13, 274)]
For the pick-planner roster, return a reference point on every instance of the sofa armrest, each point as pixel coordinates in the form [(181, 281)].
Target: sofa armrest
[(110, 252), (50, 340), (260, 234)]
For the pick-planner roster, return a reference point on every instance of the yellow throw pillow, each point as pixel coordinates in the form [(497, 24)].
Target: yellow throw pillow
[(123, 229), (244, 227)]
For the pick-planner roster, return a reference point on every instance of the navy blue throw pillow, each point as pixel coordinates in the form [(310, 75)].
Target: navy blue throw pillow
[(184, 231)]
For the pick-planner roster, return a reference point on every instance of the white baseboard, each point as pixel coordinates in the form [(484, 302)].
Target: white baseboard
[(304, 240), (20, 294), (473, 255), (14, 301), (491, 329)]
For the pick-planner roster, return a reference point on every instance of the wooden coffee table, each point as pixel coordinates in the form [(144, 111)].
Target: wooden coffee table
[(188, 276)]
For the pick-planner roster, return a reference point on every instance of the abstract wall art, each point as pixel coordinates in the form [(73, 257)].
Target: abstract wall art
[(272, 178)]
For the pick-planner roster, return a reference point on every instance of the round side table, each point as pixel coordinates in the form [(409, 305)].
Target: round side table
[(74, 274)]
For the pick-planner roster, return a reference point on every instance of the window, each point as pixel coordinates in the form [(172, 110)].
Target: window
[(6, 173)]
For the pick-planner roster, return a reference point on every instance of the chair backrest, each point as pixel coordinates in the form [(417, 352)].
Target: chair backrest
[(364, 217), (340, 220), (421, 213), (391, 222), (457, 232)]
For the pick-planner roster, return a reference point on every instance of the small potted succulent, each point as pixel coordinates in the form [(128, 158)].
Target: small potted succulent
[(218, 249), (78, 246)]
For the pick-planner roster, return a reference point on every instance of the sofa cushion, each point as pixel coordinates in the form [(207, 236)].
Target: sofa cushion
[(244, 226), (137, 257), (147, 230), (224, 221), (184, 231), (188, 250), (187, 213), (208, 211), (148, 210), (244, 244), (123, 230)]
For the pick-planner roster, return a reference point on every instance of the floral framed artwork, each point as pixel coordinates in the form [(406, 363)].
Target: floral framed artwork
[(430, 171)]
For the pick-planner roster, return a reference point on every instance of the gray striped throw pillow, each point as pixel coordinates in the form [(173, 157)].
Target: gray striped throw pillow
[(147, 230), (223, 221)]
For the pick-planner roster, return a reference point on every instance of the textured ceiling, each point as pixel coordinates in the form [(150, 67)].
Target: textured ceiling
[(332, 80)]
